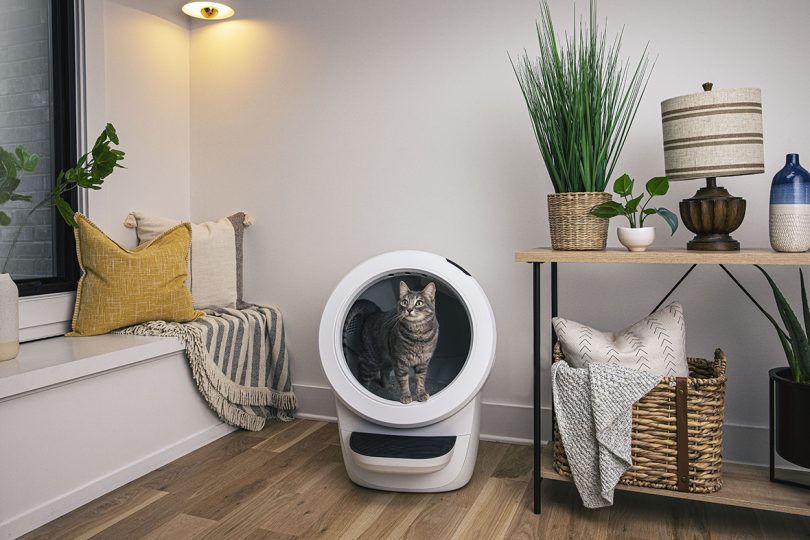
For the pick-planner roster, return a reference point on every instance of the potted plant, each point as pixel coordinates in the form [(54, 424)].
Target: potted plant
[(790, 386), (636, 237), (582, 99), (89, 172), (10, 166)]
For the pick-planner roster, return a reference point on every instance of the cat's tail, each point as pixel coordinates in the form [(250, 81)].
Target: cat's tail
[(355, 320)]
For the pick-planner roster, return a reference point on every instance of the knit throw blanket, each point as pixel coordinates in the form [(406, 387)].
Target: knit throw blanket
[(594, 409), (238, 359)]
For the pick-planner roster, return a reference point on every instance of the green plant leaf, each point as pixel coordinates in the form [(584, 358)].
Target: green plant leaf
[(623, 186), (805, 307), (90, 171), (109, 130), (10, 171), (7, 187), (22, 154), (66, 211), (582, 97), (5, 219), (799, 360), (649, 211), (608, 210), (806, 311), (20, 197), (632, 205), (658, 186), (669, 217), (31, 163)]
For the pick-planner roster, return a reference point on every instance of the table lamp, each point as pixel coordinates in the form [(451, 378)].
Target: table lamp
[(712, 134)]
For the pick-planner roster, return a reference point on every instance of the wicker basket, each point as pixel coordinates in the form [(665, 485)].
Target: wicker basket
[(658, 460), (572, 226)]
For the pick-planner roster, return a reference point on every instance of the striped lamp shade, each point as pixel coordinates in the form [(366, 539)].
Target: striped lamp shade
[(713, 133)]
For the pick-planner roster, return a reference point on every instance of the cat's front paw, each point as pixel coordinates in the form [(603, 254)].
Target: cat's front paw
[(406, 399), (422, 396)]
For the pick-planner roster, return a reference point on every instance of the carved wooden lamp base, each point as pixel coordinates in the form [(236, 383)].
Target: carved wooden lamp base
[(713, 214)]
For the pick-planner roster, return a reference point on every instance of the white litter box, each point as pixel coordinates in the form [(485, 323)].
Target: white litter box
[(420, 446)]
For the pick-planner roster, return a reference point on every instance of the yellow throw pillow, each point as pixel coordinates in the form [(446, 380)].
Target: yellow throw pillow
[(121, 287)]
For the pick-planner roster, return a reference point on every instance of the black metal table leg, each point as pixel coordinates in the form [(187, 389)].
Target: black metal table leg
[(771, 456), (553, 296), (538, 372)]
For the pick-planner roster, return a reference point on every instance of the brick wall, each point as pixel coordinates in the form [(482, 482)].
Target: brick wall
[(25, 116)]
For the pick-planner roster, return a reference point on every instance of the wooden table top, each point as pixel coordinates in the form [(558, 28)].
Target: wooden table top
[(765, 256)]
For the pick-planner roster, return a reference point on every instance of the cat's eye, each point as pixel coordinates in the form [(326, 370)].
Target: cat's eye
[(419, 303), (403, 303)]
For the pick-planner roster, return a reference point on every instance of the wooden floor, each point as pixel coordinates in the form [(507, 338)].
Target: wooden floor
[(288, 482)]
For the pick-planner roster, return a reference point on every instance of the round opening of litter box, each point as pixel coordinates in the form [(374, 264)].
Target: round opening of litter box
[(396, 317), (362, 306)]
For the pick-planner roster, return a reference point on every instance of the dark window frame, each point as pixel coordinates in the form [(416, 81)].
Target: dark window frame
[(64, 150)]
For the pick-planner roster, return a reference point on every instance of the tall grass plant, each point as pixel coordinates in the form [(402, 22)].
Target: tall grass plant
[(582, 99)]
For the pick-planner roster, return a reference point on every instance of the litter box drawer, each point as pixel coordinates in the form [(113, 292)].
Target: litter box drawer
[(401, 454)]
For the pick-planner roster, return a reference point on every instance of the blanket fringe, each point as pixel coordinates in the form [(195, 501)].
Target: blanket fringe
[(222, 394)]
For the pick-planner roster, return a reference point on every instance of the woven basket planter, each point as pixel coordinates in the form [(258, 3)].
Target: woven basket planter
[(657, 462), (572, 226)]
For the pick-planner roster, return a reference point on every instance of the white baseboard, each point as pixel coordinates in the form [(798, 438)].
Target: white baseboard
[(63, 504), (512, 423), (499, 421), (316, 417), (507, 440)]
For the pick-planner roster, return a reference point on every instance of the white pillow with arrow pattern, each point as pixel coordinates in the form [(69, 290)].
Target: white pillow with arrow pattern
[(655, 344)]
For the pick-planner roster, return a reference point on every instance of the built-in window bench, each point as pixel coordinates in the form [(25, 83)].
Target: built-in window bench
[(82, 416)]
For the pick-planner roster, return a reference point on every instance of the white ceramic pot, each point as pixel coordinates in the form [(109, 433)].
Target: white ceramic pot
[(636, 239), (9, 318)]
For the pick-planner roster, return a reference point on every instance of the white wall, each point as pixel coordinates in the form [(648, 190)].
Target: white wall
[(354, 128), (137, 66)]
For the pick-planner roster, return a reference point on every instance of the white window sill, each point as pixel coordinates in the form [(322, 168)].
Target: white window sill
[(49, 362), (45, 315)]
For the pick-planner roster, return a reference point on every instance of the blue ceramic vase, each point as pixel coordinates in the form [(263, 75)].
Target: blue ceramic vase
[(790, 207)]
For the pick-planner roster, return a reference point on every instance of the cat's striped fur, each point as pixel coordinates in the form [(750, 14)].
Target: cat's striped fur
[(399, 339)]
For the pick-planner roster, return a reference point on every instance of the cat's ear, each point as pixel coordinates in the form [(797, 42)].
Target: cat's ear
[(403, 289), (430, 290)]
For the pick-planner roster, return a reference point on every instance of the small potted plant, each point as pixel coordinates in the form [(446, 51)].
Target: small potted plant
[(89, 173), (582, 97), (790, 386), (636, 237)]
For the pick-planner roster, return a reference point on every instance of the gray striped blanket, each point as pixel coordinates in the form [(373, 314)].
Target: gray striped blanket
[(239, 361)]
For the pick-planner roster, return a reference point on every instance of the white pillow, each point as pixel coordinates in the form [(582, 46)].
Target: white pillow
[(655, 344), (215, 276)]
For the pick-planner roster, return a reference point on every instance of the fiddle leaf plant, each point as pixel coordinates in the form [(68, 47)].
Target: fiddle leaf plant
[(633, 209), (10, 167), (90, 172)]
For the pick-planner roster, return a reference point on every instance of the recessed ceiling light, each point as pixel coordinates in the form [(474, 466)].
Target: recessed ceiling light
[(210, 11)]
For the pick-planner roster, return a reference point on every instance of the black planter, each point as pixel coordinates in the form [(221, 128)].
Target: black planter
[(790, 419)]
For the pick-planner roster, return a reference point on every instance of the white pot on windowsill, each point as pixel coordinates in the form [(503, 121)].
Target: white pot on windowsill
[(9, 318), (636, 238)]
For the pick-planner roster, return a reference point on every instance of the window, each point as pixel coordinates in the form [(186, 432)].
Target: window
[(38, 110)]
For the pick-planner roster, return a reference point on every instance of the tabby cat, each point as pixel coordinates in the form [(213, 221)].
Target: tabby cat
[(399, 339)]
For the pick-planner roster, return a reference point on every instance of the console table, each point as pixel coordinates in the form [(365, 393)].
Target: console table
[(743, 485)]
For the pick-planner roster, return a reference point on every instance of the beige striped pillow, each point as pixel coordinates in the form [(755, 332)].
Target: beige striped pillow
[(215, 276)]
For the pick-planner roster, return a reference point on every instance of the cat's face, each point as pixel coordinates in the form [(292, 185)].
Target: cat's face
[(416, 306)]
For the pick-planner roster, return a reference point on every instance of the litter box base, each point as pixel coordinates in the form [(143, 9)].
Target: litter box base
[(435, 458)]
